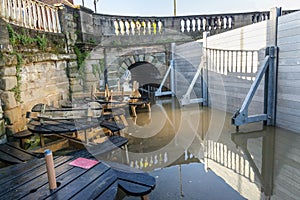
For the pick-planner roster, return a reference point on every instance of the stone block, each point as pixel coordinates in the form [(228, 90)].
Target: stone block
[(8, 99), (8, 60), (61, 65), (73, 64), (8, 71), (8, 83), (2, 127), (13, 115)]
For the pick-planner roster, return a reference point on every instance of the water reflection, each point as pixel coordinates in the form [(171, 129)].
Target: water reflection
[(179, 146)]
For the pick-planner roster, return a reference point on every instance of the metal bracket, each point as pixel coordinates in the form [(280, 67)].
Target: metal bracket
[(159, 91), (186, 99), (268, 70)]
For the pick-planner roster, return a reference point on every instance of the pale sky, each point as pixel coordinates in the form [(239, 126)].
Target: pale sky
[(185, 7)]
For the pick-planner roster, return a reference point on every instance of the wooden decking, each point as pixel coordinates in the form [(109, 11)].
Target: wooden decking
[(29, 180), (11, 154)]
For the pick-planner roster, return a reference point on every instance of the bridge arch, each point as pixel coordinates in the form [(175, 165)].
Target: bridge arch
[(144, 73), (144, 68)]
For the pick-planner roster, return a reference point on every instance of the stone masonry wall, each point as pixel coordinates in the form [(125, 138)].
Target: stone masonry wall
[(33, 70)]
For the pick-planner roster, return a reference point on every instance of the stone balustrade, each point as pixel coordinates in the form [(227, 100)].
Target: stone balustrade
[(127, 25), (30, 14)]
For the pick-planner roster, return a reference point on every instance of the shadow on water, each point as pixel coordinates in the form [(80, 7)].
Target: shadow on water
[(180, 148)]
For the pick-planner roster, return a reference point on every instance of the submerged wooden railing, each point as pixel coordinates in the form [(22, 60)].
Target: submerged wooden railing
[(30, 14)]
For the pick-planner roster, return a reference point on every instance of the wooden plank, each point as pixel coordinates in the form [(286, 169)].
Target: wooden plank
[(54, 146), (28, 184), (112, 125), (63, 180), (9, 159), (107, 146), (98, 186), (112, 143), (141, 178), (109, 193), (133, 188), (67, 124), (80, 183), (15, 152), (7, 172), (19, 180)]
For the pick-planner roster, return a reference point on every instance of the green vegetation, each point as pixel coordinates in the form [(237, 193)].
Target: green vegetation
[(25, 39), (17, 89), (81, 56)]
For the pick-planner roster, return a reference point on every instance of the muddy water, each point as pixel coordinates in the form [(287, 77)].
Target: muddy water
[(194, 153)]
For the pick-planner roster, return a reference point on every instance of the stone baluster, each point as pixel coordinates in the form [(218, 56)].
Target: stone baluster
[(221, 20), (2, 4), (31, 14), (160, 27), (118, 26), (185, 27), (40, 19), (208, 24), (34, 11), (1, 9), (122, 26), (149, 29), (215, 22), (49, 27), (137, 24), (132, 27), (226, 22), (25, 13), (201, 23), (155, 27), (196, 25), (58, 28), (191, 25), (19, 12), (231, 22), (8, 9), (127, 27), (54, 28)]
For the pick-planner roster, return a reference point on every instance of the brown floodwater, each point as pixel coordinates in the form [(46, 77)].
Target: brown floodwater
[(195, 153)]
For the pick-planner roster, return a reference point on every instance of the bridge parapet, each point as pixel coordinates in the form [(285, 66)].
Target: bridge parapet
[(31, 14), (193, 25)]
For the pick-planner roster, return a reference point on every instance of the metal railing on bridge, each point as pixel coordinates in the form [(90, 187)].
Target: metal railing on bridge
[(31, 14)]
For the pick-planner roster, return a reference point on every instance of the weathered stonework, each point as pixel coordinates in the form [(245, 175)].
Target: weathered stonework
[(8, 100), (8, 83)]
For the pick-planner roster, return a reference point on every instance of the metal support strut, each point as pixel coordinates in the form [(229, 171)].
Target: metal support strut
[(268, 68), (170, 73)]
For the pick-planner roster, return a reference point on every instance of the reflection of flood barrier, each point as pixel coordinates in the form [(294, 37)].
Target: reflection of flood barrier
[(265, 174)]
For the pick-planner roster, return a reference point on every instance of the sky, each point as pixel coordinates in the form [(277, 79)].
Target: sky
[(185, 7)]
